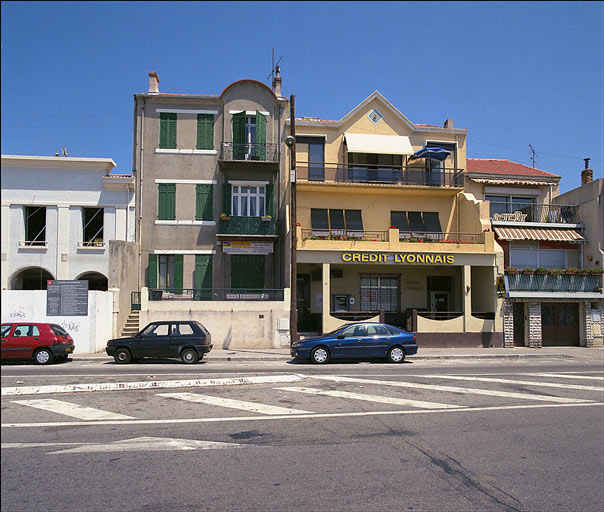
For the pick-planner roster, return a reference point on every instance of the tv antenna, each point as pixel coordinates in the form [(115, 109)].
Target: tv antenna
[(64, 151), (533, 155), (271, 75)]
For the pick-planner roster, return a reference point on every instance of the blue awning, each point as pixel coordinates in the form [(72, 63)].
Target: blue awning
[(432, 153)]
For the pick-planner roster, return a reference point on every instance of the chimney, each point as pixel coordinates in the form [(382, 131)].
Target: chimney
[(448, 124), (277, 82), (587, 174), (153, 83)]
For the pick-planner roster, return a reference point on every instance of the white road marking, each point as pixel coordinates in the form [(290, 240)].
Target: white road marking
[(146, 444), (233, 404), (511, 381), (313, 416), (563, 376), (155, 384), (73, 410), (453, 389), (372, 398)]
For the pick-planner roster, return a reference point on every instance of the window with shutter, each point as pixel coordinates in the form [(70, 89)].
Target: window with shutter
[(167, 130), (203, 277), (204, 204), (166, 201), (205, 131), (260, 136), (247, 272), (239, 136), (152, 271)]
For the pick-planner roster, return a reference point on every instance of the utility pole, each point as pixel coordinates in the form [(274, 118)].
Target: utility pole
[(291, 142)]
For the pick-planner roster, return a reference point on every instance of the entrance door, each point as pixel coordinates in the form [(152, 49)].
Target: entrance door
[(560, 325), (303, 303), (247, 271), (439, 301), (518, 324)]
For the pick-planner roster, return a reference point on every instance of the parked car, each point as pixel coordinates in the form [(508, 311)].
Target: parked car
[(187, 340), (362, 340), (41, 342)]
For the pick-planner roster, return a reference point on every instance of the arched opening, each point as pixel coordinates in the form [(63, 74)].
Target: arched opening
[(96, 281), (33, 278)]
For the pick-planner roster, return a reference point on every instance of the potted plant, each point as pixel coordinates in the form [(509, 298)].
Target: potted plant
[(541, 271), (571, 271), (528, 271), (596, 271), (511, 270), (224, 216), (266, 218), (583, 272), (556, 271)]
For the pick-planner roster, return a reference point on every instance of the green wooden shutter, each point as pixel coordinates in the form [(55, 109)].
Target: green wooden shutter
[(270, 199), (178, 268), (167, 130), (152, 271), (247, 272), (166, 201), (204, 204), (203, 277), (239, 136), (226, 198), (205, 131), (260, 136)]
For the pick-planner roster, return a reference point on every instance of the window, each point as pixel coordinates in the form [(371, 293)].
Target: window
[(205, 131), (375, 329), (248, 200), (379, 291), (247, 272), (183, 330), (26, 330), (35, 225), (354, 331), (167, 130), (204, 202), (165, 272), (5, 330), (166, 203), (375, 168), (336, 222), (312, 150), (529, 254), (511, 204), (156, 330), (249, 136), (92, 232), (202, 278)]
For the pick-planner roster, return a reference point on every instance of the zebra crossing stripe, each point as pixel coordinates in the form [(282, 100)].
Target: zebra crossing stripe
[(563, 376), (75, 411), (511, 381), (233, 404), (371, 398), (454, 389)]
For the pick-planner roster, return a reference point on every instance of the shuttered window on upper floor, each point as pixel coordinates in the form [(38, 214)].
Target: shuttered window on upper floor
[(166, 201), (204, 202), (167, 130), (205, 131)]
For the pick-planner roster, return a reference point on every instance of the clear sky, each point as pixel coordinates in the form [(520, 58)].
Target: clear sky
[(512, 73)]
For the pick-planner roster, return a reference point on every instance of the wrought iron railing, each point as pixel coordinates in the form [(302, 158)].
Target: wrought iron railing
[(247, 226), (544, 213), (216, 294), (135, 301), (92, 243), (447, 238), (391, 175), (266, 152), (345, 234), (554, 283)]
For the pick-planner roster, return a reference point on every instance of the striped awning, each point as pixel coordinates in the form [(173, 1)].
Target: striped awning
[(492, 181), (553, 235)]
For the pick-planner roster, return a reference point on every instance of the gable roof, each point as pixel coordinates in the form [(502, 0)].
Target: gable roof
[(503, 167)]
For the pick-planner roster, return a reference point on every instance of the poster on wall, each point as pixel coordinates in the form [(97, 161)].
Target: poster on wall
[(67, 298)]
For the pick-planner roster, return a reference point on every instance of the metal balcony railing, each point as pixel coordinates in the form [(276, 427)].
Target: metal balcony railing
[(390, 175), (266, 152), (344, 234), (382, 236), (554, 283), (528, 212), (217, 294), (247, 226)]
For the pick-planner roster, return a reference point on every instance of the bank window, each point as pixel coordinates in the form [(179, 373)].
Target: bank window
[(35, 225), (248, 200), (380, 291), (92, 232), (167, 130)]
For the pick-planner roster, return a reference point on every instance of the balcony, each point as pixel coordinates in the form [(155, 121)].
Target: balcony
[(248, 226), (512, 213), (519, 284), (373, 174), (258, 155)]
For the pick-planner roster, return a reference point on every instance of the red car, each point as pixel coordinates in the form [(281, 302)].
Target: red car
[(41, 342)]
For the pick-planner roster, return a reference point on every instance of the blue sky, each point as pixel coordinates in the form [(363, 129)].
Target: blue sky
[(512, 73)]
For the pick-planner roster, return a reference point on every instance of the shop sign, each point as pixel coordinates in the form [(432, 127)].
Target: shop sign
[(247, 247), (501, 286), (413, 258)]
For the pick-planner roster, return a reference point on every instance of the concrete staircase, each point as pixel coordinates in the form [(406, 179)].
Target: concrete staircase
[(132, 326)]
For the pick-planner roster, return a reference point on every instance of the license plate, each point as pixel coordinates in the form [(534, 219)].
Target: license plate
[(68, 349)]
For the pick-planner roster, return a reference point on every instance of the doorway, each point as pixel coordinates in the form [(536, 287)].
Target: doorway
[(518, 315), (305, 323), (560, 325), (439, 293)]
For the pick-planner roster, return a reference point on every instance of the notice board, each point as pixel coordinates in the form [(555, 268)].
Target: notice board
[(67, 298)]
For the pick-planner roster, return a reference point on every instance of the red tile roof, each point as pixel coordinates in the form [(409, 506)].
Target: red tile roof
[(505, 168)]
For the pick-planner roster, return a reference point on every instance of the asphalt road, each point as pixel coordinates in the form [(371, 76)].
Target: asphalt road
[(255, 436)]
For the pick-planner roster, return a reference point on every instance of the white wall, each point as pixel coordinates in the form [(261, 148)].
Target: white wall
[(90, 333)]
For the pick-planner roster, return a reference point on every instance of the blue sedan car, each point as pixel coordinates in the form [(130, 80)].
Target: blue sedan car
[(366, 340)]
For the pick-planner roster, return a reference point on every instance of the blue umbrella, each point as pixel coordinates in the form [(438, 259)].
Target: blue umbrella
[(432, 153)]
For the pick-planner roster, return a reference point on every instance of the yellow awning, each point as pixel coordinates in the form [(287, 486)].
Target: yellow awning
[(378, 144)]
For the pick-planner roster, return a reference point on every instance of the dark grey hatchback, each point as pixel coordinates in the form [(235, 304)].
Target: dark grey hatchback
[(187, 340)]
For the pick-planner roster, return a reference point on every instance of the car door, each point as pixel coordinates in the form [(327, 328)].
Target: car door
[(347, 342), (183, 335), (6, 348), (155, 341), (376, 341), (23, 340)]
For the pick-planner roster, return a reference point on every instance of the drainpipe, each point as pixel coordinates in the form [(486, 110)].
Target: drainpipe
[(140, 194)]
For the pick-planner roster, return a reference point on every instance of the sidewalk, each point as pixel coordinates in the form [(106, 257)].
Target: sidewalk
[(282, 354)]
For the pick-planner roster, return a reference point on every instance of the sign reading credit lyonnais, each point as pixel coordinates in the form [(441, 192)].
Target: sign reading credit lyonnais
[(413, 258)]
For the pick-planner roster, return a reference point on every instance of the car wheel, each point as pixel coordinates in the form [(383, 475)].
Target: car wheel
[(43, 356), (122, 356), (189, 356), (396, 355), (319, 355)]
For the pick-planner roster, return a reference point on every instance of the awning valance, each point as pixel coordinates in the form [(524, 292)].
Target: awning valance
[(378, 144), (552, 235), (493, 181)]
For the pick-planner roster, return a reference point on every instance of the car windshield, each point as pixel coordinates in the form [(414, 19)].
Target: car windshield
[(6, 329)]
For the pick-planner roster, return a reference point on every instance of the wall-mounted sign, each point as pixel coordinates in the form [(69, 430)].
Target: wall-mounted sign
[(67, 298), (500, 286), (413, 258), (247, 247)]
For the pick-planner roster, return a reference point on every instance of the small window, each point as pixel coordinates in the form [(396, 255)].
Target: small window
[(183, 330), (373, 330), (248, 200), (205, 131), (5, 330), (92, 232), (157, 330), (58, 330), (354, 331), (35, 225), (166, 201), (167, 130), (393, 330), (23, 330)]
